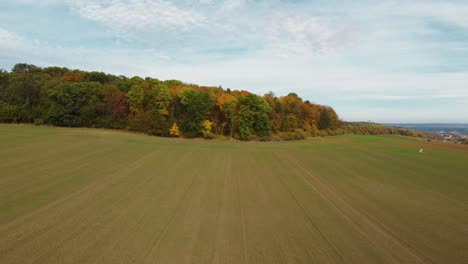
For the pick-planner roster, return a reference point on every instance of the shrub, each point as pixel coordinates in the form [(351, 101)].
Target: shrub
[(8, 112), (174, 131), (139, 121), (298, 134), (314, 132), (209, 135)]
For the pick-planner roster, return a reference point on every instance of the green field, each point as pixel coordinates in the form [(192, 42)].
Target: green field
[(101, 196)]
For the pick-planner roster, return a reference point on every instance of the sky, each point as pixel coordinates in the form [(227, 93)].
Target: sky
[(383, 61)]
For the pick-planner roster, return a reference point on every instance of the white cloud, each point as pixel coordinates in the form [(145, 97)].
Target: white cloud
[(128, 16), (452, 13), (41, 3), (8, 38), (289, 34), (219, 25), (16, 49), (230, 5)]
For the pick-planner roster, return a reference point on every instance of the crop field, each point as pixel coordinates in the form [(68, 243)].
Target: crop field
[(102, 196)]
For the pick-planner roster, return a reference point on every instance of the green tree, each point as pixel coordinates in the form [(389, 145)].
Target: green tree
[(253, 116), (195, 106), (328, 119), (24, 68), (96, 77), (4, 79), (158, 105), (74, 104), (136, 99), (24, 91), (8, 112)]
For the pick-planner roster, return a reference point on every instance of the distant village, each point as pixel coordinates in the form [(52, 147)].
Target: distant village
[(452, 133), (454, 137)]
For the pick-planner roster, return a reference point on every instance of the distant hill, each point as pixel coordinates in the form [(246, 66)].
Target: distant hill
[(461, 129)]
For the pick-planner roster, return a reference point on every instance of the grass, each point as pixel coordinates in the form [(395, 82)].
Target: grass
[(101, 196)]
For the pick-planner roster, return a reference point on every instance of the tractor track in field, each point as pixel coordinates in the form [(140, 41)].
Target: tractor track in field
[(278, 251), (460, 205), (157, 241), (37, 230), (99, 197), (41, 144), (454, 226), (330, 195), (50, 160), (165, 228), (374, 155), (126, 197), (311, 221), (241, 208), (223, 199), (218, 181), (90, 188), (153, 198), (67, 174), (336, 254), (227, 175), (333, 198), (29, 162), (88, 222)]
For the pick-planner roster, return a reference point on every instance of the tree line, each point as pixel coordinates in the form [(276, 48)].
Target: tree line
[(369, 128), (74, 98)]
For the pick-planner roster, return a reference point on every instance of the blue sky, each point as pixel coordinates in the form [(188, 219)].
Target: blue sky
[(385, 61)]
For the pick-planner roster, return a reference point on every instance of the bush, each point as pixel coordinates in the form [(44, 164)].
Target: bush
[(298, 134), (209, 135), (334, 132), (139, 122), (222, 137), (323, 133), (314, 132), (38, 121), (249, 138), (8, 112), (174, 131)]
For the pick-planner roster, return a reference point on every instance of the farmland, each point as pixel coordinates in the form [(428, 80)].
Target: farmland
[(102, 196)]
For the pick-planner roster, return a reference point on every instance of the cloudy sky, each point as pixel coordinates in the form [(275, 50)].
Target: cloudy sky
[(385, 61)]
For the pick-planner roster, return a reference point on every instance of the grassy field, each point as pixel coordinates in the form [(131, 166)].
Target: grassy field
[(100, 196)]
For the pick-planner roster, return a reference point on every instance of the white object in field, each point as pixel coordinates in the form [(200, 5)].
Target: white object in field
[(421, 150)]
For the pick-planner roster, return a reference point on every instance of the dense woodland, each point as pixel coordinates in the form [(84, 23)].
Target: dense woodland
[(74, 98)]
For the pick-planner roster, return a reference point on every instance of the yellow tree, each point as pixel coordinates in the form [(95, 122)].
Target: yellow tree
[(207, 126), (228, 105), (174, 131)]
